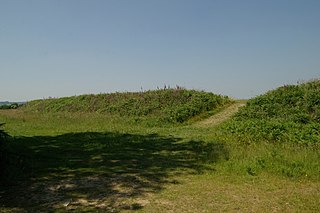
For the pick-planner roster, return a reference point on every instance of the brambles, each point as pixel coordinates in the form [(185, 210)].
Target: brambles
[(290, 113)]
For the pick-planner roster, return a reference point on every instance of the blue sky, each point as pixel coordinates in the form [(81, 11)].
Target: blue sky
[(240, 48)]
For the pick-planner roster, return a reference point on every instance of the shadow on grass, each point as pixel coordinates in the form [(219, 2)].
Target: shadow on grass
[(106, 172)]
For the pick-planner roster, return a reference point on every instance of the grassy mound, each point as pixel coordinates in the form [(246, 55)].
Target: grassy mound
[(174, 105), (290, 113)]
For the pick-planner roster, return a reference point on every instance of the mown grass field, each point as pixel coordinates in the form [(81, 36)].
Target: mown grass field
[(98, 162)]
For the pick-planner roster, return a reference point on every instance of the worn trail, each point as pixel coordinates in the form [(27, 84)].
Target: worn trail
[(221, 116)]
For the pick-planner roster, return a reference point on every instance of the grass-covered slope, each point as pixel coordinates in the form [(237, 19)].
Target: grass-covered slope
[(290, 113), (175, 105)]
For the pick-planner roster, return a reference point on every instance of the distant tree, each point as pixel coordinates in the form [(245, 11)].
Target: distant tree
[(10, 106), (14, 106)]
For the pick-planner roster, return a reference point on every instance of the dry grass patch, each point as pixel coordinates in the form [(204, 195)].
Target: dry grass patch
[(212, 193)]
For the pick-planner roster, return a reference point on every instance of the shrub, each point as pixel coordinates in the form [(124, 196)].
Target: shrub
[(10, 106)]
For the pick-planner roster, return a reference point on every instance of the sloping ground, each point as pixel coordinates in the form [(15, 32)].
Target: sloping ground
[(290, 113), (174, 105), (290, 103), (221, 116)]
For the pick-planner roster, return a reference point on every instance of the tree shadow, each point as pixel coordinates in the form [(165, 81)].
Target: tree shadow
[(106, 172)]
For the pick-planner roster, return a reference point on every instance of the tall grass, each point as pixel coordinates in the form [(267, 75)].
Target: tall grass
[(168, 105)]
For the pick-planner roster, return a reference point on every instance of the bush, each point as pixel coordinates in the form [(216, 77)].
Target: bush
[(10, 106)]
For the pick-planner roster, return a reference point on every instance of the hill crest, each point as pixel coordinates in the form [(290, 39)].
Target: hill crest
[(175, 105)]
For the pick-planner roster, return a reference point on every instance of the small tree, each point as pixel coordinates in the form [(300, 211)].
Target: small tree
[(14, 106)]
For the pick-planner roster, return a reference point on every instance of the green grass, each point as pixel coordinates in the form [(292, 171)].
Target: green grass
[(106, 162), (129, 162), (91, 165), (216, 193)]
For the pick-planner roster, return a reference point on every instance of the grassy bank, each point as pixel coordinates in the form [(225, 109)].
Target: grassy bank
[(288, 114), (163, 105)]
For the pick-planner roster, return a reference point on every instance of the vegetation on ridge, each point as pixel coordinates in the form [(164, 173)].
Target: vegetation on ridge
[(174, 105), (290, 113)]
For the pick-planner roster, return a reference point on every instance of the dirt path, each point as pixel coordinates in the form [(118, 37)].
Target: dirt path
[(221, 116)]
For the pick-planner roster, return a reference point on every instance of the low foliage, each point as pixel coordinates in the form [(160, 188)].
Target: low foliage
[(174, 105), (290, 113), (10, 106)]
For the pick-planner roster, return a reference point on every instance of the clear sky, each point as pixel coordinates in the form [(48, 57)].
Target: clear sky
[(240, 48)]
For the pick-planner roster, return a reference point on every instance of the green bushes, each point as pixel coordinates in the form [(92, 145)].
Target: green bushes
[(171, 105), (10, 106), (290, 113)]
